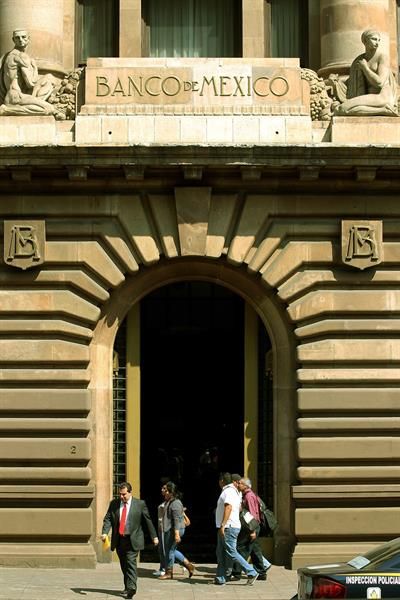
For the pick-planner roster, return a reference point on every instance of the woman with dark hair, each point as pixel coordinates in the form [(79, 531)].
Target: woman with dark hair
[(172, 527)]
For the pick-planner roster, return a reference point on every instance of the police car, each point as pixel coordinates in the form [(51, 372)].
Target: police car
[(373, 575)]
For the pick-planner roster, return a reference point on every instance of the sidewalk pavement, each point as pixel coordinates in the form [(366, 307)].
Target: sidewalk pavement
[(105, 583)]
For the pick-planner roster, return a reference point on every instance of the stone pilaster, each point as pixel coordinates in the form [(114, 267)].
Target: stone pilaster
[(130, 28), (255, 36)]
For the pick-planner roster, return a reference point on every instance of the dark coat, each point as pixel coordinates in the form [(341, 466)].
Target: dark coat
[(137, 516)]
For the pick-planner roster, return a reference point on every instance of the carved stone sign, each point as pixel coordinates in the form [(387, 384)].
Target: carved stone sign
[(199, 83), (24, 243), (362, 243)]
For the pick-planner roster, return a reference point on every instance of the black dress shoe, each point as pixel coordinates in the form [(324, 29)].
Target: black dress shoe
[(130, 593)]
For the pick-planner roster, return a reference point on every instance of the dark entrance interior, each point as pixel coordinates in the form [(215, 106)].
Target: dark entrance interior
[(192, 400)]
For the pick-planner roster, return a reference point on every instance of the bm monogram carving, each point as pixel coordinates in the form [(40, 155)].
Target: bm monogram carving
[(24, 243), (362, 243)]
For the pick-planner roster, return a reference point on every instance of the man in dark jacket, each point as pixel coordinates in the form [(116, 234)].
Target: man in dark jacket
[(125, 516)]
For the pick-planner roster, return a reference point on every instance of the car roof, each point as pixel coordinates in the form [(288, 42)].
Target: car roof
[(384, 550), (365, 562)]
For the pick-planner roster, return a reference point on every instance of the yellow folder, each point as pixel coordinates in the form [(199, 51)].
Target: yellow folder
[(106, 543)]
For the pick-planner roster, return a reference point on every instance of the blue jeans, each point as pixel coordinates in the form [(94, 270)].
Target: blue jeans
[(169, 550), (179, 558), (227, 554)]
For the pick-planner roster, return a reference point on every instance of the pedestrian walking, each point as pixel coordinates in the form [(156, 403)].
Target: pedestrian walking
[(227, 522), (171, 523), (125, 517), (247, 543)]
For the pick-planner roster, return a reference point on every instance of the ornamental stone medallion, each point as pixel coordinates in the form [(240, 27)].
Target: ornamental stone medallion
[(362, 243), (24, 243)]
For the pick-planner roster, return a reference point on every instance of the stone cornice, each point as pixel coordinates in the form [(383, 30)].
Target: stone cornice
[(279, 168), (171, 154)]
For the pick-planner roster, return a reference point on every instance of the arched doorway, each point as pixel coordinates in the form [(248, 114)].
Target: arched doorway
[(205, 389), (192, 398), (270, 317)]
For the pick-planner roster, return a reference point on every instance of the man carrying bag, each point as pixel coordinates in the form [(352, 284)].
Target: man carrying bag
[(247, 544)]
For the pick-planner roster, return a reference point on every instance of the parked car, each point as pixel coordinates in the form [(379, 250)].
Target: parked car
[(373, 575)]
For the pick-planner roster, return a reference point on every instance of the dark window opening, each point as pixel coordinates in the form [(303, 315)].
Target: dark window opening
[(193, 28), (289, 29), (96, 29)]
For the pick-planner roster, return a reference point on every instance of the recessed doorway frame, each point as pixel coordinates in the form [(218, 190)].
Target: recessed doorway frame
[(274, 317)]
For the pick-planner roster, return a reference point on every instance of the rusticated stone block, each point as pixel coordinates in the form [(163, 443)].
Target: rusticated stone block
[(356, 301), (44, 555), (87, 252), (88, 129), (344, 473), (327, 327), (293, 256), (246, 130), (114, 130), (343, 376), (45, 449), (44, 522), (193, 130), (134, 219), (41, 475), (41, 301), (141, 129), (219, 130), (338, 522), (222, 210), (348, 399), (192, 208), (387, 350), (163, 209), (349, 448), (252, 219), (328, 425), (361, 130), (38, 131), (43, 351), (44, 425), (44, 327)]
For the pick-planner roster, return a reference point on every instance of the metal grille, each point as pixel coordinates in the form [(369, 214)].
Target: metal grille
[(119, 408), (265, 419)]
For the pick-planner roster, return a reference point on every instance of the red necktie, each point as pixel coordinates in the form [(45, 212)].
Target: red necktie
[(123, 520)]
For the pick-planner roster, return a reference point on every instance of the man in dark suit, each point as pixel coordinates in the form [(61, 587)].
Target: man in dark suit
[(125, 517)]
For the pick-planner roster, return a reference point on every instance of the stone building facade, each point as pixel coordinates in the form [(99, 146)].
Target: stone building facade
[(176, 169)]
